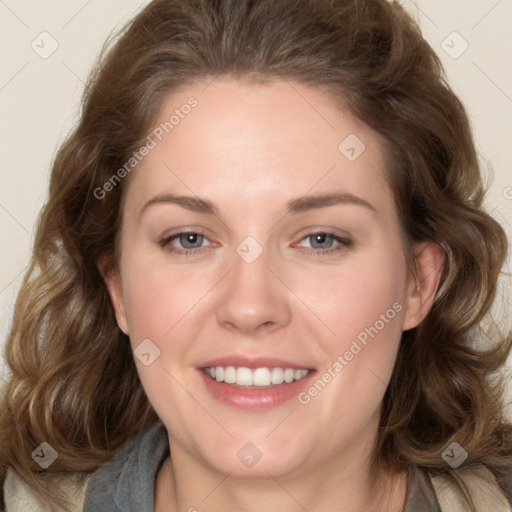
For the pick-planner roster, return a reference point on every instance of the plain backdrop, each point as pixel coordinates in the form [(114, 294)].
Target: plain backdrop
[(49, 47)]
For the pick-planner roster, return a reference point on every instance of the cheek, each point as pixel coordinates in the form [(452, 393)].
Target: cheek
[(362, 312), (158, 293), (154, 302), (146, 304), (358, 301)]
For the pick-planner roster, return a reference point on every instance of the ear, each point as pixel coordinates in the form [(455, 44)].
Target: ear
[(112, 280), (423, 282)]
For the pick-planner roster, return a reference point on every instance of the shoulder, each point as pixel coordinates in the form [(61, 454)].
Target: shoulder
[(19, 497), (507, 488), (130, 472), (481, 485), (126, 482)]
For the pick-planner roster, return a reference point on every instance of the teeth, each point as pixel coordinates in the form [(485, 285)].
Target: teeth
[(244, 376), (260, 377), (277, 375), (289, 375), (229, 375)]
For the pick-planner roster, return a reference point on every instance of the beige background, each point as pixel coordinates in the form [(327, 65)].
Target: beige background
[(39, 96)]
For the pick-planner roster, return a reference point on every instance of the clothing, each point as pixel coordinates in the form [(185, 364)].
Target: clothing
[(126, 482)]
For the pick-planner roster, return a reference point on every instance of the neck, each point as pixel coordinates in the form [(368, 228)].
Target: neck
[(183, 484)]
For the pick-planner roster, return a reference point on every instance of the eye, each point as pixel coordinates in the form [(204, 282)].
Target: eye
[(326, 243), (189, 242)]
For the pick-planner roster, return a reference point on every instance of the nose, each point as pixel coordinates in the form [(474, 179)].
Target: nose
[(253, 298)]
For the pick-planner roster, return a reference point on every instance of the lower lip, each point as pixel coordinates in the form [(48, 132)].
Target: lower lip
[(255, 399)]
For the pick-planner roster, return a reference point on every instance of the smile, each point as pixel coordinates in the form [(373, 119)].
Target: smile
[(255, 378)]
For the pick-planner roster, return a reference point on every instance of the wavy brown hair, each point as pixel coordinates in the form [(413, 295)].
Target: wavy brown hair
[(74, 382)]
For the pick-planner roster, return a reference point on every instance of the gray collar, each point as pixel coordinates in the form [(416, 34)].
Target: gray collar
[(126, 482)]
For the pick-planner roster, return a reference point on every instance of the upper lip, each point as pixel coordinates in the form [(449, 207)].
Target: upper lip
[(253, 362)]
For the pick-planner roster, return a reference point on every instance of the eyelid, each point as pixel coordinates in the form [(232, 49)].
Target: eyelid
[(167, 239), (344, 242), (336, 237), (334, 232)]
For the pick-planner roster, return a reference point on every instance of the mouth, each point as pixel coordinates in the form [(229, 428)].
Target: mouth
[(258, 378), (254, 384)]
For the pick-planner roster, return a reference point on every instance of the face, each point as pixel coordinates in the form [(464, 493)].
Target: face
[(263, 279)]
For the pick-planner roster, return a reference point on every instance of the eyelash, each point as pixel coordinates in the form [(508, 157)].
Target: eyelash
[(345, 243)]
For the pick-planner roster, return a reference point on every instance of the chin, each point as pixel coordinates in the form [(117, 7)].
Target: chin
[(246, 459)]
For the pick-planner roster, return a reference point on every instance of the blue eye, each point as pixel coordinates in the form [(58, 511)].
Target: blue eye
[(326, 243), (321, 239), (190, 242)]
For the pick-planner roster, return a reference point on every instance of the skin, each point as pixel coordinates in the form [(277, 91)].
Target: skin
[(250, 148)]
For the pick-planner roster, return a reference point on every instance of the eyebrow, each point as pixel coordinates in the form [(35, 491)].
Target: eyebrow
[(299, 205), (306, 203)]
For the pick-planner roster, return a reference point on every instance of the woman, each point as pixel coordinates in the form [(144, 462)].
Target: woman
[(259, 276)]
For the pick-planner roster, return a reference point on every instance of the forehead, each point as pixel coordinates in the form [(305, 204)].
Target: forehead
[(269, 140)]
